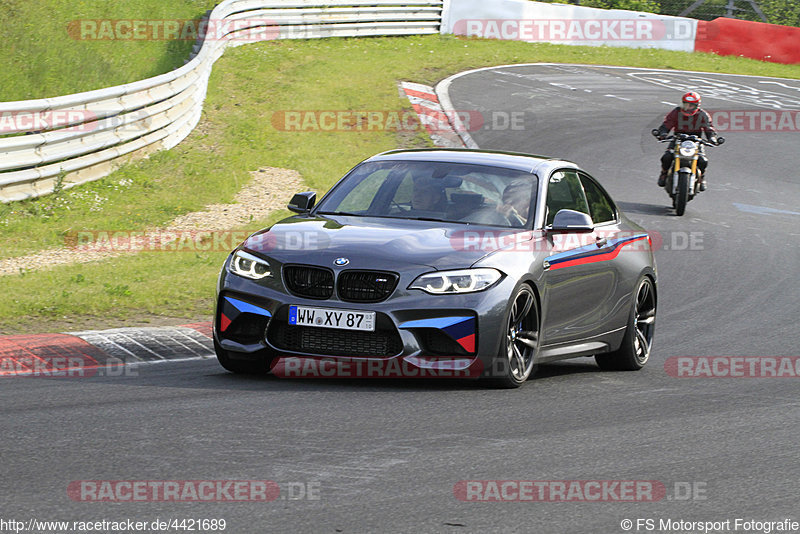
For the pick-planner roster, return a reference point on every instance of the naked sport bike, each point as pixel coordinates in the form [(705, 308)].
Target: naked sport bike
[(683, 183)]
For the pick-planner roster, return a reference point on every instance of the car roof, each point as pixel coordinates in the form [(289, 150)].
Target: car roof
[(509, 160)]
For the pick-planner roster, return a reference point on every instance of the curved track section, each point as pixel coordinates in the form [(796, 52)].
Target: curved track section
[(727, 267), (397, 456)]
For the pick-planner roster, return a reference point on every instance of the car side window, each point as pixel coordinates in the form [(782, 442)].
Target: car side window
[(564, 191), (601, 207)]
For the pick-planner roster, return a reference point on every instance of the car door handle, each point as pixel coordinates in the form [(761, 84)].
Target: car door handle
[(601, 242)]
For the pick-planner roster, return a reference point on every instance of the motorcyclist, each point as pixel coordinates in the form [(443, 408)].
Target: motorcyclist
[(687, 118)]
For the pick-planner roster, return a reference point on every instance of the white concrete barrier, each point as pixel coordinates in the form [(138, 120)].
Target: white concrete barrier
[(568, 24)]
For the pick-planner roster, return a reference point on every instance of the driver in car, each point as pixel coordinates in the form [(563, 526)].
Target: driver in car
[(516, 202)]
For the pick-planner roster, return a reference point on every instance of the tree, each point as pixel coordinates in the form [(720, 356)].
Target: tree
[(786, 12)]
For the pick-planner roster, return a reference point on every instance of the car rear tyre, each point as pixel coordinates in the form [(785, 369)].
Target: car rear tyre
[(514, 363), (634, 352), (258, 366)]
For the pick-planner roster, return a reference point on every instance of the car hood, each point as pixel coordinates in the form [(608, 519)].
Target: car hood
[(380, 243)]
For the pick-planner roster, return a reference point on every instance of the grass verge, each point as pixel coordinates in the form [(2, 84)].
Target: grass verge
[(41, 51), (235, 136)]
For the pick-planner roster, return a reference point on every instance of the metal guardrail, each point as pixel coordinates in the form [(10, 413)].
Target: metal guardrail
[(73, 139)]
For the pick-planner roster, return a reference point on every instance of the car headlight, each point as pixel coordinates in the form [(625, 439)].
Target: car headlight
[(462, 281), (252, 267), (688, 149)]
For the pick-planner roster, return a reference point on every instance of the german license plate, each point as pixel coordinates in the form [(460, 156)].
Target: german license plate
[(332, 318)]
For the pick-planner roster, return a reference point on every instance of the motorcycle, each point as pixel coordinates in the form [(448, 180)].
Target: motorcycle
[(683, 183)]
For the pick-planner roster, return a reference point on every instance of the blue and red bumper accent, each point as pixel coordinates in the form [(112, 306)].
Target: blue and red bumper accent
[(231, 308), (461, 329)]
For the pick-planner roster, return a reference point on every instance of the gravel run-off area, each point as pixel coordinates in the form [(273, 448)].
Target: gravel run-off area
[(270, 189)]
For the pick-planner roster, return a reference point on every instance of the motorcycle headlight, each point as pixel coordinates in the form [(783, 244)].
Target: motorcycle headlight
[(249, 266), (688, 149), (451, 282)]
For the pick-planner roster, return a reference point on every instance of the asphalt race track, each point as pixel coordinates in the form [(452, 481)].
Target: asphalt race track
[(385, 456)]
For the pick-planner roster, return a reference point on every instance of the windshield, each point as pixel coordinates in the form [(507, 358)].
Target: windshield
[(424, 190)]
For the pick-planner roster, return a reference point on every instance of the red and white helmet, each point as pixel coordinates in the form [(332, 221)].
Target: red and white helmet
[(690, 103)]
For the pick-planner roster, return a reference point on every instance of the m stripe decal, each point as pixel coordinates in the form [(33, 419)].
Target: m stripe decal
[(581, 256)]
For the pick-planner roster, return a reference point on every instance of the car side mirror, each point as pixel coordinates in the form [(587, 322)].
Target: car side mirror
[(302, 202), (572, 221)]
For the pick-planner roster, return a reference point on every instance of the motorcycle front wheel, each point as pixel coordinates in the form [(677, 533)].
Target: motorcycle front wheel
[(683, 193)]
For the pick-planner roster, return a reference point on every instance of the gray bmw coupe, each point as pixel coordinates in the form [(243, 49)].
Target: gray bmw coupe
[(456, 262)]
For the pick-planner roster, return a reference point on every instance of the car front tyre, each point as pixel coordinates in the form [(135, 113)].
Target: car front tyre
[(637, 343), (514, 363)]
